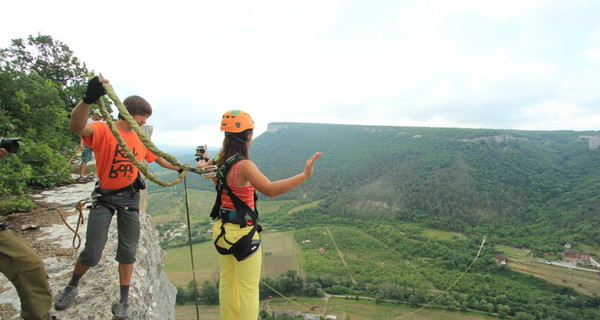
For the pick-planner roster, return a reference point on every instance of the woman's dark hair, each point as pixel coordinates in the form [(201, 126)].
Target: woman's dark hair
[(137, 105), (235, 143)]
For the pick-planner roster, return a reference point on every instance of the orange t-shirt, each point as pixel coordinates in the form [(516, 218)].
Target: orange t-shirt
[(114, 169)]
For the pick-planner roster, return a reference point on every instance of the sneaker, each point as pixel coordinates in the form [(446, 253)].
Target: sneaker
[(65, 298), (120, 310)]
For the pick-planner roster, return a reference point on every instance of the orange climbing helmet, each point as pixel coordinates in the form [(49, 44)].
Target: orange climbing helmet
[(236, 121)]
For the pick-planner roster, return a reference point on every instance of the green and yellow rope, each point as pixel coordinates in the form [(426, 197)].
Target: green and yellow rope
[(149, 145)]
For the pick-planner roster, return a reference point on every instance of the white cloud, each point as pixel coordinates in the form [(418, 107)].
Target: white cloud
[(592, 54), (462, 63), (558, 115)]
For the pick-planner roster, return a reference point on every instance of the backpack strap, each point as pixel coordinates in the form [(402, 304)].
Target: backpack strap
[(244, 213)]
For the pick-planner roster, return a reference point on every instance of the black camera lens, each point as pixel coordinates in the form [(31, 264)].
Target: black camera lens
[(10, 144)]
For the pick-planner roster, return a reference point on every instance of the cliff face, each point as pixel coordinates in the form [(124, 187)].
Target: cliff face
[(152, 297)]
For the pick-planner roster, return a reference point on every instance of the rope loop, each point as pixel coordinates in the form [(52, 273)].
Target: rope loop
[(149, 145)]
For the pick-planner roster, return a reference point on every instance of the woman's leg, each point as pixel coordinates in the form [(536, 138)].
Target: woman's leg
[(228, 288), (248, 275)]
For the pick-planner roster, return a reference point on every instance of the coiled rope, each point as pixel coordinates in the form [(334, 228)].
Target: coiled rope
[(76, 243), (149, 145)]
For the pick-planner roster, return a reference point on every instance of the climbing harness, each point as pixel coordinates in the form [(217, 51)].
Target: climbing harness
[(243, 215)]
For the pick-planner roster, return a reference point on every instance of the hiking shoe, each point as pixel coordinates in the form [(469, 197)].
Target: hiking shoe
[(120, 310), (65, 298)]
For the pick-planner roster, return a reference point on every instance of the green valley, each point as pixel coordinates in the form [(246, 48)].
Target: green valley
[(394, 219)]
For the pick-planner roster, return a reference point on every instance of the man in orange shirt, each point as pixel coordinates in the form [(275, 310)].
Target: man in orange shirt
[(117, 191)]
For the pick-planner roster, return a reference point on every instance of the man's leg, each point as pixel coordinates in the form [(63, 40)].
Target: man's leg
[(78, 272), (125, 271), (96, 235), (82, 170), (25, 269), (128, 225), (86, 156)]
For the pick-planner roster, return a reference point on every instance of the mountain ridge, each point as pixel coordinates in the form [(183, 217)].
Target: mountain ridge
[(481, 179)]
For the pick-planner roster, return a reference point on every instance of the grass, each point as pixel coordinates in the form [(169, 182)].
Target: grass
[(439, 234), (361, 257), (584, 282), (366, 310), (178, 265), (282, 257), (188, 312), (281, 254), (354, 309), (296, 304), (306, 206), (514, 253), (168, 206), (590, 249), (272, 206)]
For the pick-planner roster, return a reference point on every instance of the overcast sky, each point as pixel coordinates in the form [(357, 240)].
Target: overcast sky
[(532, 65)]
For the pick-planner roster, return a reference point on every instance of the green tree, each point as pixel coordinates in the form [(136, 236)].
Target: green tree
[(523, 316), (50, 59), (181, 297), (40, 82), (503, 311), (209, 293)]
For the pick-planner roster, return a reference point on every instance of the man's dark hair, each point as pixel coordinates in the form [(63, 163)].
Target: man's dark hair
[(137, 105)]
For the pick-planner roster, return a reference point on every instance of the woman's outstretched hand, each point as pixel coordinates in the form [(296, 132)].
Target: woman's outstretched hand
[(310, 164)]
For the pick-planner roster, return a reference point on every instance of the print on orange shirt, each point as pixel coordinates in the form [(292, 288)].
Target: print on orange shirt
[(121, 163)]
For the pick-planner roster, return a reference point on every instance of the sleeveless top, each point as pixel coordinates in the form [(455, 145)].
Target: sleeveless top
[(245, 194)]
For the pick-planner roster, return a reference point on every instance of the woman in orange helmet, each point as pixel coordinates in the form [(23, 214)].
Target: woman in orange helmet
[(235, 233)]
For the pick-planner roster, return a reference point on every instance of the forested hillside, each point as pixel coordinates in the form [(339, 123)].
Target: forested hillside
[(41, 80), (533, 188), (384, 198)]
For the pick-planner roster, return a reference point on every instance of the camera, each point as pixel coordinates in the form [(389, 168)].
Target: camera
[(10, 144), (200, 151)]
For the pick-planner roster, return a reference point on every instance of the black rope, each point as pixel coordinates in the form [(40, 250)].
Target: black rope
[(187, 211)]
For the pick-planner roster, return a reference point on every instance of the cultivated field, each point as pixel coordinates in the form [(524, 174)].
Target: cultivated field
[(439, 234), (279, 249), (348, 308), (283, 250), (585, 282), (343, 251), (178, 265), (188, 312), (169, 206)]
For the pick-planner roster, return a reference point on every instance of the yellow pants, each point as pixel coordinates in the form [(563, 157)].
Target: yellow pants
[(239, 280), (25, 269)]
